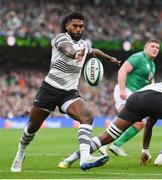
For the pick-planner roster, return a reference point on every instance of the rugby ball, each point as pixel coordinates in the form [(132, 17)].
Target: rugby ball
[(93, 72)]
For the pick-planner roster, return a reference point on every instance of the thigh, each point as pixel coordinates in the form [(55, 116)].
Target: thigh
[(152, 103), (67, 99), (119, 102), (47, 97), (132, 110)]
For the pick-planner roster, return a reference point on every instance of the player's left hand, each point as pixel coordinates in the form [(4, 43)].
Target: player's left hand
[(114, 60), (145, 158)]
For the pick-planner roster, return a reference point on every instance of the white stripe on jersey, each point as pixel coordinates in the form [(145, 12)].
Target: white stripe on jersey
[(64, 71), (156, 87)]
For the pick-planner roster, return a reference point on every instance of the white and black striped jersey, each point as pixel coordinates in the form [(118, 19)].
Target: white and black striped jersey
[(155, 87), (64, 71)]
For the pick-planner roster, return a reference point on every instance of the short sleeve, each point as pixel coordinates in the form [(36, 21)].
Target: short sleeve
[(60, 38), (134, 60)]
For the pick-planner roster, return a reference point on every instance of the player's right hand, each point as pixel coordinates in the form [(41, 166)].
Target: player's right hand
[(79, 55), (123, 94), (145, 158)]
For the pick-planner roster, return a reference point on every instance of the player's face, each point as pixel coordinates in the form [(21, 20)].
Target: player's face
[(75, 28), (152, 49)]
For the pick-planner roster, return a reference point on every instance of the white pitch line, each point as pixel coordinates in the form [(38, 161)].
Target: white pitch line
[(39, 154), (45, 154), (58, 154), (88, 173)]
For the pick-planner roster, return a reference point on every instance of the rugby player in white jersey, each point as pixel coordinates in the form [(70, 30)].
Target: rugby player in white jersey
[(60, 88), (146, 102)]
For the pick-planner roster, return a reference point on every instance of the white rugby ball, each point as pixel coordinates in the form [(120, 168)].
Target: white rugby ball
[(93, 72)]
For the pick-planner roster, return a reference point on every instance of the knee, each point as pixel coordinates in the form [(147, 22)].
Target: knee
[(36, 119), (139, 125), (86, 118)]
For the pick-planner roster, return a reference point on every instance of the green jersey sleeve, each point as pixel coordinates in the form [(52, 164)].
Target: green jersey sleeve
[(135, 60)]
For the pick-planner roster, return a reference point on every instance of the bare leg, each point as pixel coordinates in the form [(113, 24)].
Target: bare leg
[(78, 110), (112, 132), (37, 117)]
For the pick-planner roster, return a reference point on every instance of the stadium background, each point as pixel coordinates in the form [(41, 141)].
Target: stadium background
[(26, 28)]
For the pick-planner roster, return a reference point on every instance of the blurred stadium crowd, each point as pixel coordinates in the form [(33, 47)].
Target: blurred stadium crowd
[(18, 88), (107, 19)]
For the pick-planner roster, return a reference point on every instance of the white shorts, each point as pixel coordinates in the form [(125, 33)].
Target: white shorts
[(119, 102)]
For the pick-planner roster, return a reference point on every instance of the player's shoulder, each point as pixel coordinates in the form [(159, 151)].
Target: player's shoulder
[(60, 36), (139, 54), (136, 56)]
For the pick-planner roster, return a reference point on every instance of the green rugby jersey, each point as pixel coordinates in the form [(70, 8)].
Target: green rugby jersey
[(143, 71)]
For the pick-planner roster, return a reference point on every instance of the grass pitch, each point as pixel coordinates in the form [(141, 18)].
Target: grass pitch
[(52, 145)]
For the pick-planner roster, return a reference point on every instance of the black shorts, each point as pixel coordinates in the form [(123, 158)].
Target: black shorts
[(48, 97), (142, 104)]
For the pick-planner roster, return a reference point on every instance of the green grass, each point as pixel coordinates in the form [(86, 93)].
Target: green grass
[(52, 145)]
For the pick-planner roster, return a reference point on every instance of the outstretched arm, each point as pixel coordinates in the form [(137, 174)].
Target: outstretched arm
[(145, 155), (100, 54)]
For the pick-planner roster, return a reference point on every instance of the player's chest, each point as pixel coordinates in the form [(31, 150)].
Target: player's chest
[(80, 45), (147, 68)]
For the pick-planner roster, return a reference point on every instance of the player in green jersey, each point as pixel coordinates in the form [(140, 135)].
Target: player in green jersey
[(136, 72)]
